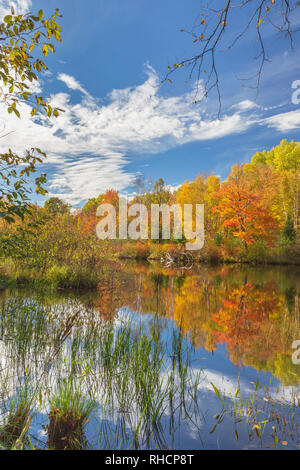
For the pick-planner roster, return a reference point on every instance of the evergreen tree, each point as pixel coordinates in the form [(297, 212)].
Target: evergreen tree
[(289, 231)]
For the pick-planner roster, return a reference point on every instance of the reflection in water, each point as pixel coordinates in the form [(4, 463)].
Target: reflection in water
[(253, 311), (140, 361)]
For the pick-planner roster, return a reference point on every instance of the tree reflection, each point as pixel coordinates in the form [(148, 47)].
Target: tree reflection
[(254, 313)]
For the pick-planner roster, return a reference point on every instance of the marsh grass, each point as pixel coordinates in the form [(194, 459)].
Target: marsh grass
[(17, 420), (134, 384), (70, 410), (272, 421)]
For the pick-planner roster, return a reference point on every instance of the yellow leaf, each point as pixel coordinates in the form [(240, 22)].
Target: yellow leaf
[(45, 50)]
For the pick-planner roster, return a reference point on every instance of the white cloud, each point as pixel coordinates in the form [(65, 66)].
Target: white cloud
[(20, 6), (71, 83), (285, 121), (245, 105), (173, 187), (90, 145)]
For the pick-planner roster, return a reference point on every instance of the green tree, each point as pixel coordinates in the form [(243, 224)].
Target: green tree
[(25, 40), (92, 204), (55, 206), (289, 232)]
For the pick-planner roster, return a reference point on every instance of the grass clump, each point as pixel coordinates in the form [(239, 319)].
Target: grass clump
[(13, 431), (69, 412)]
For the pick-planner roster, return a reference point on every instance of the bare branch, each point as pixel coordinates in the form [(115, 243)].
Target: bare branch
[(210, 33)]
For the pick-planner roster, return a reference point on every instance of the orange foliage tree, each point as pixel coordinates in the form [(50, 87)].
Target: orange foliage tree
[(245, 212)]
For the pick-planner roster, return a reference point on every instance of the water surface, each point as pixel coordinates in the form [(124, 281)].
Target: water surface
[(224, 336)]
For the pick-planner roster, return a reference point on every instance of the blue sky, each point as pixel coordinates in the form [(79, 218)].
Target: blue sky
[(119, 119)]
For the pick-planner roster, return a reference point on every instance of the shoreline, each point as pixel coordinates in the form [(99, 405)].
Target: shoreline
[(26, 279)]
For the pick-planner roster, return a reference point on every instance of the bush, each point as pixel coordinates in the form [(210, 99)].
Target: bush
[(68, 277), (135, 250), (257, 253)]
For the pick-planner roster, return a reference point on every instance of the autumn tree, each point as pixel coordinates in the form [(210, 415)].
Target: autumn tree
[(111, 196), (210, 201), (201, 191), (243, 211), (87, 215), (285, 160), (192, 192)]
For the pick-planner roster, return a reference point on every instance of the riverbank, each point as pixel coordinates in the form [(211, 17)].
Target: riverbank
[(67, 276), (174, 253)]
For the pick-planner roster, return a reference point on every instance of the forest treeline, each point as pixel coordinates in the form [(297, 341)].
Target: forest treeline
[(251, 217)]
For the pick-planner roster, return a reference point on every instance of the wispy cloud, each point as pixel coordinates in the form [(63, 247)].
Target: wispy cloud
[(90, 145), (71, 83), (245, 105), (284, 121)]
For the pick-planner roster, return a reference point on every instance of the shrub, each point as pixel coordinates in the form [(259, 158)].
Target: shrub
[(257, 252)]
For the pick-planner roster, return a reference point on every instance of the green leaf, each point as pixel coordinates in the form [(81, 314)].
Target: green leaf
[(16, 112), (217, 393)]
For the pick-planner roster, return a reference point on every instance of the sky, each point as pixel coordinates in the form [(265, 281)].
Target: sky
[(121, 121)]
